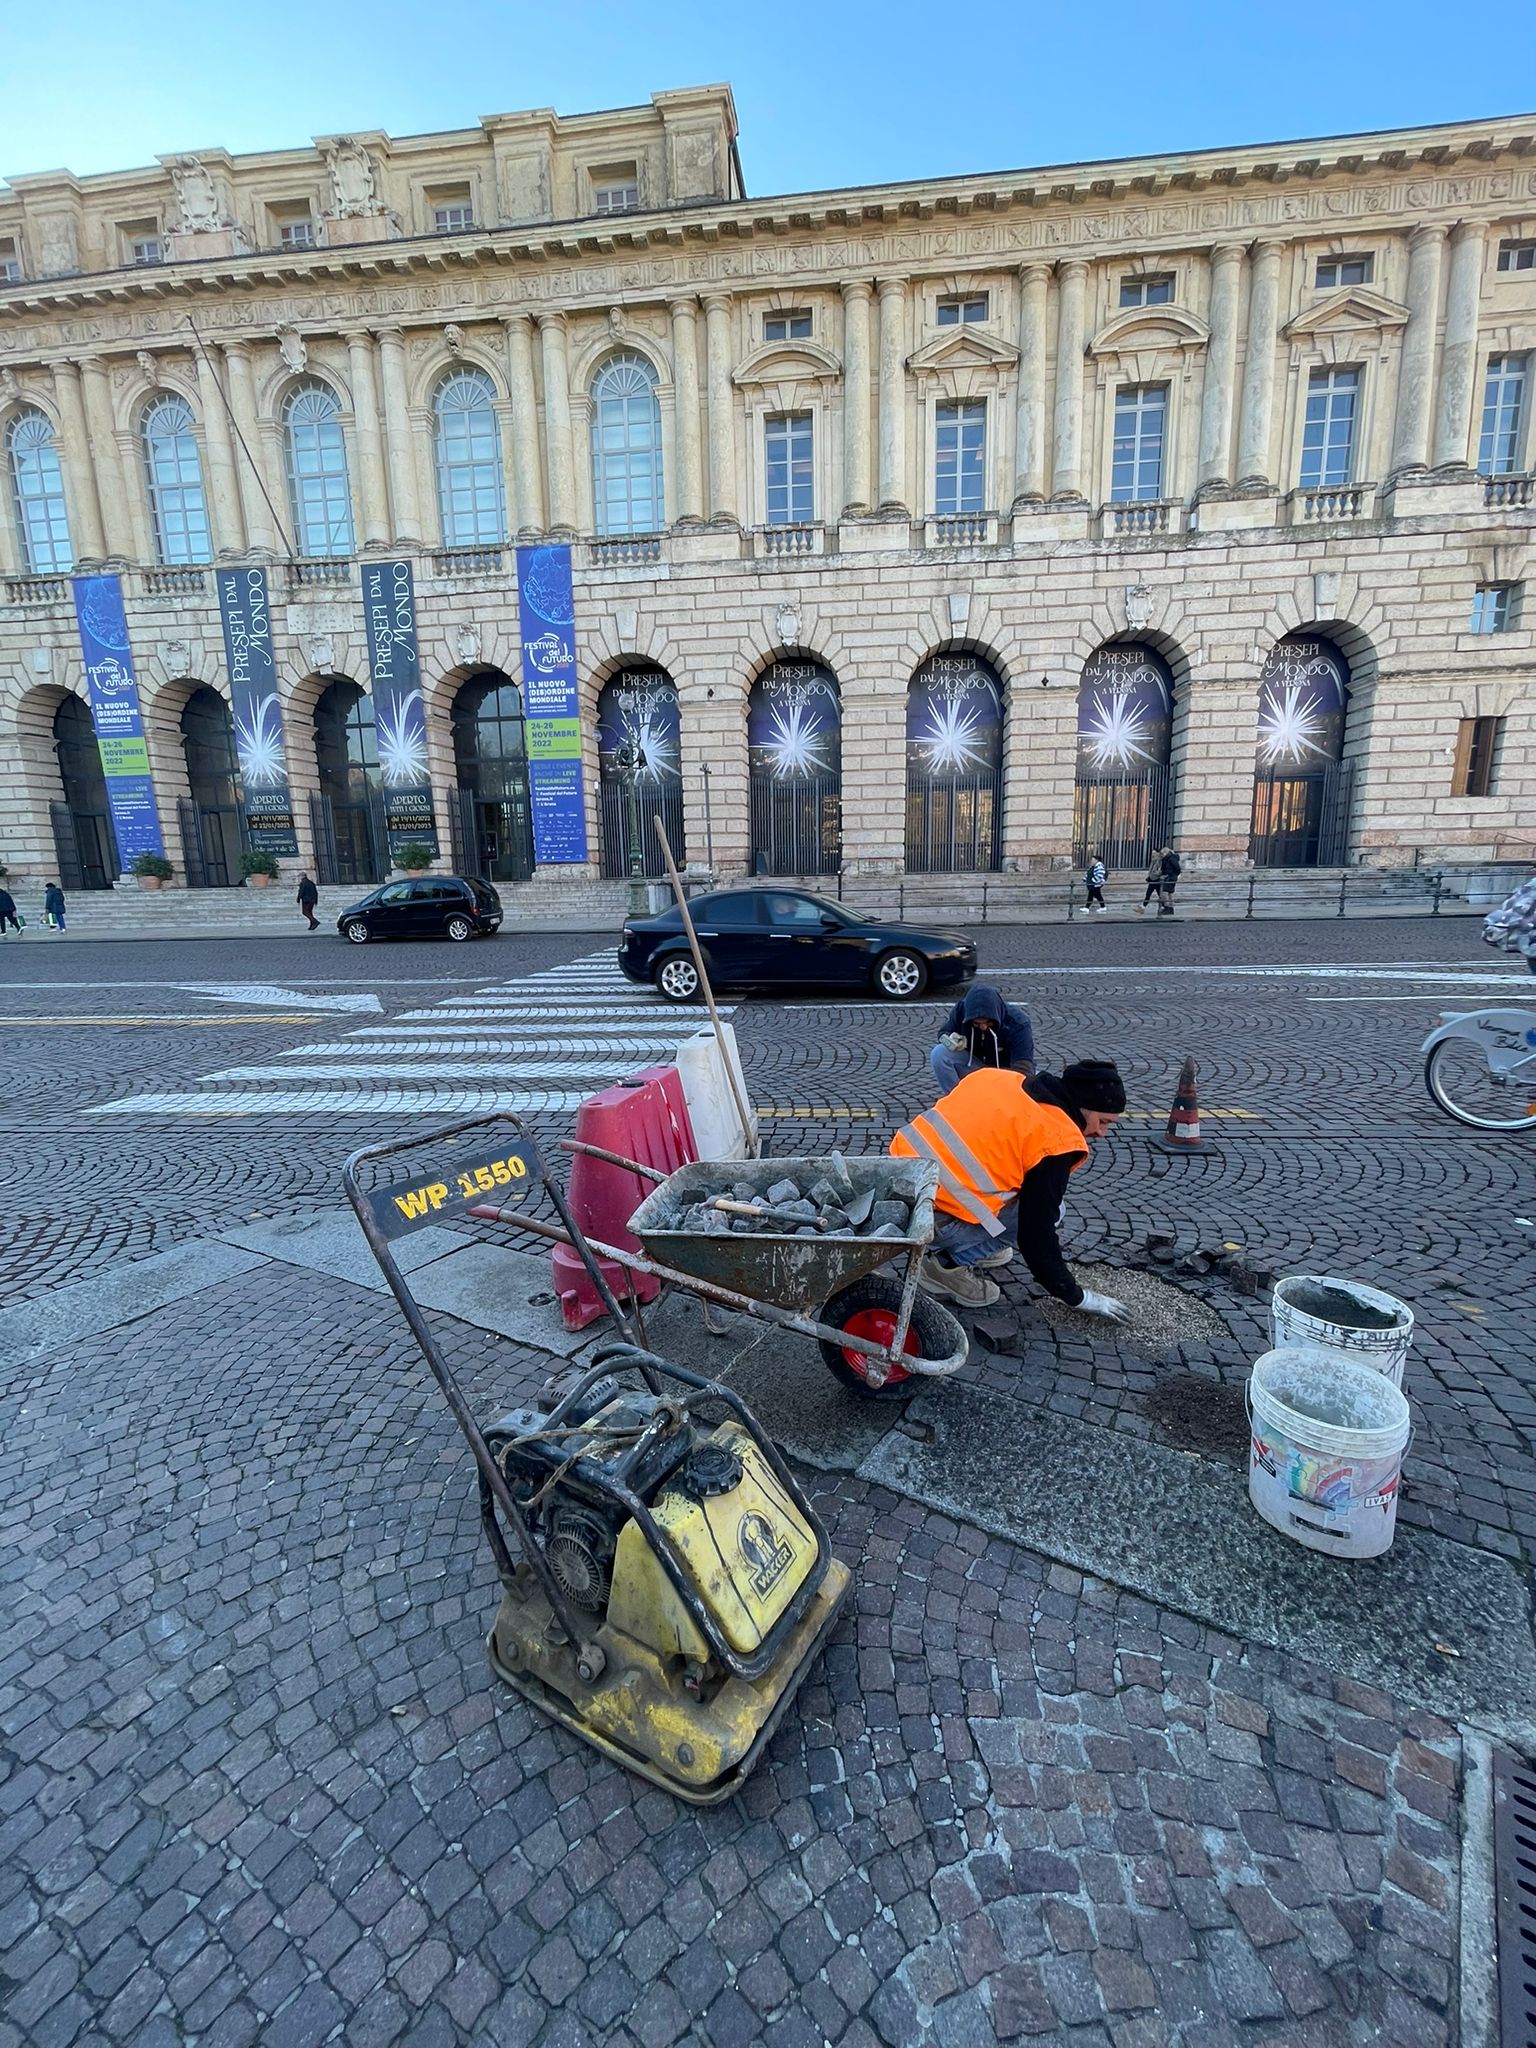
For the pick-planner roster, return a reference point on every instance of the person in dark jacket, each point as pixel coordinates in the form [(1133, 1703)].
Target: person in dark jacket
[(982, 1031), (1168, 881), (8, 917), (308, 896), (53, 906)]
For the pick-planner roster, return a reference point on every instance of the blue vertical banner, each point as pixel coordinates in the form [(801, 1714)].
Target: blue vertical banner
[(399, 716), (116, 715), (551, 705), (259, 744)]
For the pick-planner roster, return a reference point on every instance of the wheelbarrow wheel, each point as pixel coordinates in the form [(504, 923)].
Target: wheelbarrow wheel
[(870, 1309)]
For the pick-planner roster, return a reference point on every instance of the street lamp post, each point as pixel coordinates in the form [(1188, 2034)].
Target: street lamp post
[(629, 762)]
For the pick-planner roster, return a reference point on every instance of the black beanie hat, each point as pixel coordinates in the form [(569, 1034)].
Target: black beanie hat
[(1094, 1084)]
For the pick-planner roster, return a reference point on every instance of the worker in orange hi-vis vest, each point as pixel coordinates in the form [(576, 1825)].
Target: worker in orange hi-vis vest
[(1005, 1146)]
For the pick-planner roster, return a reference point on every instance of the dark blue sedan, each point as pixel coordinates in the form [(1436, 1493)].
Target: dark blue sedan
[(763, 937)]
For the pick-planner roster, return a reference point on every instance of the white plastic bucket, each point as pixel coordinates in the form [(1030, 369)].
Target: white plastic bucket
[(1299, 1314), (712, 1110), (1326, 1450)]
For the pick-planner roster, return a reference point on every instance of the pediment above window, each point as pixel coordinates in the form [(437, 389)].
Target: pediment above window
[(1352, 311), (787, 362), (963, 348), (1143, 330)]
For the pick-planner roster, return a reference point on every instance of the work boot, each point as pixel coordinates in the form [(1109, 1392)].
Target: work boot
[(998, 1258), (960, 1283)]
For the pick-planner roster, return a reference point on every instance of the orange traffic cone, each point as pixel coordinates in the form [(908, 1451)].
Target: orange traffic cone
[(1183, 1131)]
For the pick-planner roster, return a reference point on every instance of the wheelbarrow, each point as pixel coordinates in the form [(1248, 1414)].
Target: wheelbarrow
[(877, 1333)]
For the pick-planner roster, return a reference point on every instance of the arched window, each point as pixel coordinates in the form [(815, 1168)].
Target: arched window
[(175, 482), (1124, 745), (37, 485), (639, 765), (626, 447), (317, 470), (795, 770), (470, 497), (490, 751), (1301, 785), (954, 766)]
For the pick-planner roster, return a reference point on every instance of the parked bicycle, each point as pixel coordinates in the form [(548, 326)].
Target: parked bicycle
[(1480, 1066)]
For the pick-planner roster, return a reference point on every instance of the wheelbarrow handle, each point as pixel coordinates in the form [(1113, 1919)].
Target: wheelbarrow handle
[(613, 1159)]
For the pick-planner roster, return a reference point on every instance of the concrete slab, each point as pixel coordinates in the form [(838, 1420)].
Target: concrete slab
[(509, 1292), (121, 1296), (1179, 1530), (331, 1241)]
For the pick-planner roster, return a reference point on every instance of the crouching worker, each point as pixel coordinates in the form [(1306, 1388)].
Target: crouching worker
[(1005, 1147), (982, 1031)]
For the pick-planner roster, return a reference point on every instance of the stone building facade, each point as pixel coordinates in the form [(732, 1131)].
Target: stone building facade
[(954, 524)]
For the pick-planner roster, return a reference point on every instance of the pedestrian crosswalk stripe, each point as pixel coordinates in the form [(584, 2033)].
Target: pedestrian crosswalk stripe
[(566, 1048), (442, 1070), (349, 1102)]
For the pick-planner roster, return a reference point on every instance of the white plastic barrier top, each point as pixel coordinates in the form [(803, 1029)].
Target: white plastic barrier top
[(712, 1110)]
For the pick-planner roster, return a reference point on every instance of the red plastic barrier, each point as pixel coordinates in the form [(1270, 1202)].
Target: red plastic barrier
[(645, 1118)]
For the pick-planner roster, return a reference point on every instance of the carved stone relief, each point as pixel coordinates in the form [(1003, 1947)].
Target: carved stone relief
[(466, 642), (786, 625), (354, 179), (291, 350), (1138, 607), (176, 658), (197, 199), (149, 366), (321, 653)]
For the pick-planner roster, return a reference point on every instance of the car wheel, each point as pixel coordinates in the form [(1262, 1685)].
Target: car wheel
[(356, 929), (460, 928), (678, 979), (901, 976)]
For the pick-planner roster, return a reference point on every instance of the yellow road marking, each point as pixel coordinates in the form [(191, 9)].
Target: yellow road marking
[(820, 1112)]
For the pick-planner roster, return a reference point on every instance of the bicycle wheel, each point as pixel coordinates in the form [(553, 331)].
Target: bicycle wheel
[(1458, 1077)]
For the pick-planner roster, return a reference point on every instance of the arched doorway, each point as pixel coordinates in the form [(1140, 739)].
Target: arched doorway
[(1301, 785), (493, 816), (954, 766), (795, 767), (348, 811), (1124, 745), (83, 837), (212, 824), (639, 734)]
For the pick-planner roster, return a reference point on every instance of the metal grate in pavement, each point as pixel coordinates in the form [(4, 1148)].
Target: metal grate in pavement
[(1514, 1874)]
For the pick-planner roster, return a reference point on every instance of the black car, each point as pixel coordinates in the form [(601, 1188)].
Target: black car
[(766, 937), (426, 907)]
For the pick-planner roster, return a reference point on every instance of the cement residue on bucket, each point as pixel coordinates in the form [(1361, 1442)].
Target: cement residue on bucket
[(1351, 1310), (1162, 1316)]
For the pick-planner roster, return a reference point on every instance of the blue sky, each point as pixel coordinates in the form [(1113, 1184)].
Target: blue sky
[(828, 94)]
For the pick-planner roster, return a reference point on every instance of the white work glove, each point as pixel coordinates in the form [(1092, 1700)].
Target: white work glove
[(956, 1041), (1104, 1305)]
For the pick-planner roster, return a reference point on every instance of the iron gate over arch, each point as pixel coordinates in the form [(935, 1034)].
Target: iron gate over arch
[(212, 817), (1302, 784), (954, 766), (639, 733), (795, 765), (347, 810), (1124, 741), (492, 813)]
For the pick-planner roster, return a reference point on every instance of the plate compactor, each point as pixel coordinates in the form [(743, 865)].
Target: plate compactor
[(672, 1584)]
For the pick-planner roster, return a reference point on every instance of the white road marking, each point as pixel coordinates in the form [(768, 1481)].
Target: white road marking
[(568, 1049), (1436, 997), (443, 1102), (441, 1070), (1492, 979), (275, 998)]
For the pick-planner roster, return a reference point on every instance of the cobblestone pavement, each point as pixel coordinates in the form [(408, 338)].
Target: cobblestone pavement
[(256, 1784)]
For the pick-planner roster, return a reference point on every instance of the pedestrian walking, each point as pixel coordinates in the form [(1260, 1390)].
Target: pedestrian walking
[(1006, 1148), (1154, 878), (308, 896), (1168, 881), (53, 907), (1093, 879), (982, 1031), (8, 917)]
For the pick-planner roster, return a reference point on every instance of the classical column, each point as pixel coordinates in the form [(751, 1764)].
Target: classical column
[(685, 413), (1029, 423), (527, 471), (724, 509), (370, 442), (260, 530), (1220, 367), (397, 435), (117, 522), (79, 474), (893, 395), (226, 529), (857, 298), (1416, 364), (1254, 426), (1071, 334), (1458, 356), (557, 424)]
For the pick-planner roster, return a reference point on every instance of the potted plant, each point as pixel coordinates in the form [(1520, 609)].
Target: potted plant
[(259, 869), (152, 869), (414, 857)]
